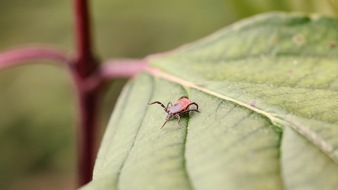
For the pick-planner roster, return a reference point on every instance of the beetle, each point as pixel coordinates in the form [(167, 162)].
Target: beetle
[(180, 107)]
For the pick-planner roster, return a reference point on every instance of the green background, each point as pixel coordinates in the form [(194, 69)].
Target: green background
[(37, 113)]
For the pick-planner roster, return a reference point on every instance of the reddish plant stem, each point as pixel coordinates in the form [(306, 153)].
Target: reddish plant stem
[(82, 25), (85, 63), (88, 105), (85, 70)]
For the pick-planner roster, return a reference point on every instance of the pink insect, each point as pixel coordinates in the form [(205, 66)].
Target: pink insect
[(180, 107)]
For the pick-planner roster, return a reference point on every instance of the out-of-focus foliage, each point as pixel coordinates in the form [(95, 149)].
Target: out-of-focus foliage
[(37, 114)]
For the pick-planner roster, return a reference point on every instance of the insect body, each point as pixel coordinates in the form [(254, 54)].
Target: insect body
[(180, 107)]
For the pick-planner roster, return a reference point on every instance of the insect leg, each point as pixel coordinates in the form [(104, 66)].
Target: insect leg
[(189, 110), (178, 117), (193, 103), (169, 105), (157, 102)]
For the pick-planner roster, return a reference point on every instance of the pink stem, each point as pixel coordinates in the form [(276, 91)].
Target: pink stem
[(11, 58), (122, 68)]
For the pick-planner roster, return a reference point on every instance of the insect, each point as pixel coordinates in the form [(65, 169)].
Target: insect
[(180, 107)]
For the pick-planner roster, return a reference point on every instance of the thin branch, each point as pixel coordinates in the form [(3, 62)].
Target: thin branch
[(122, 68), (19, 56)]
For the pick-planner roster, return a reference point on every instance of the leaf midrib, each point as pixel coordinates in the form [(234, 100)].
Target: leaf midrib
[(175, 79)]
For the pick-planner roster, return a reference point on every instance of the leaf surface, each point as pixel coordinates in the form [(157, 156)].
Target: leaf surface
[(267, 91)]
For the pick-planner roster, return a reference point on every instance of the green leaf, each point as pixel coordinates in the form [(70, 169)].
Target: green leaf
[(267, 89)]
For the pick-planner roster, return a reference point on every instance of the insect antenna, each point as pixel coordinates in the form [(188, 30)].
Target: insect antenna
[(164, 123)]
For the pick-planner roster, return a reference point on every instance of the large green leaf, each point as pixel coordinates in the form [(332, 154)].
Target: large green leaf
[(268, 92)]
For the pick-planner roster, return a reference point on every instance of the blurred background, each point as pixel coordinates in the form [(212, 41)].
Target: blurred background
[(37, 113)]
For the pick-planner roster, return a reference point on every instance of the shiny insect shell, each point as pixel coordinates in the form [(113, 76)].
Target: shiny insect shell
[(180, 107)]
